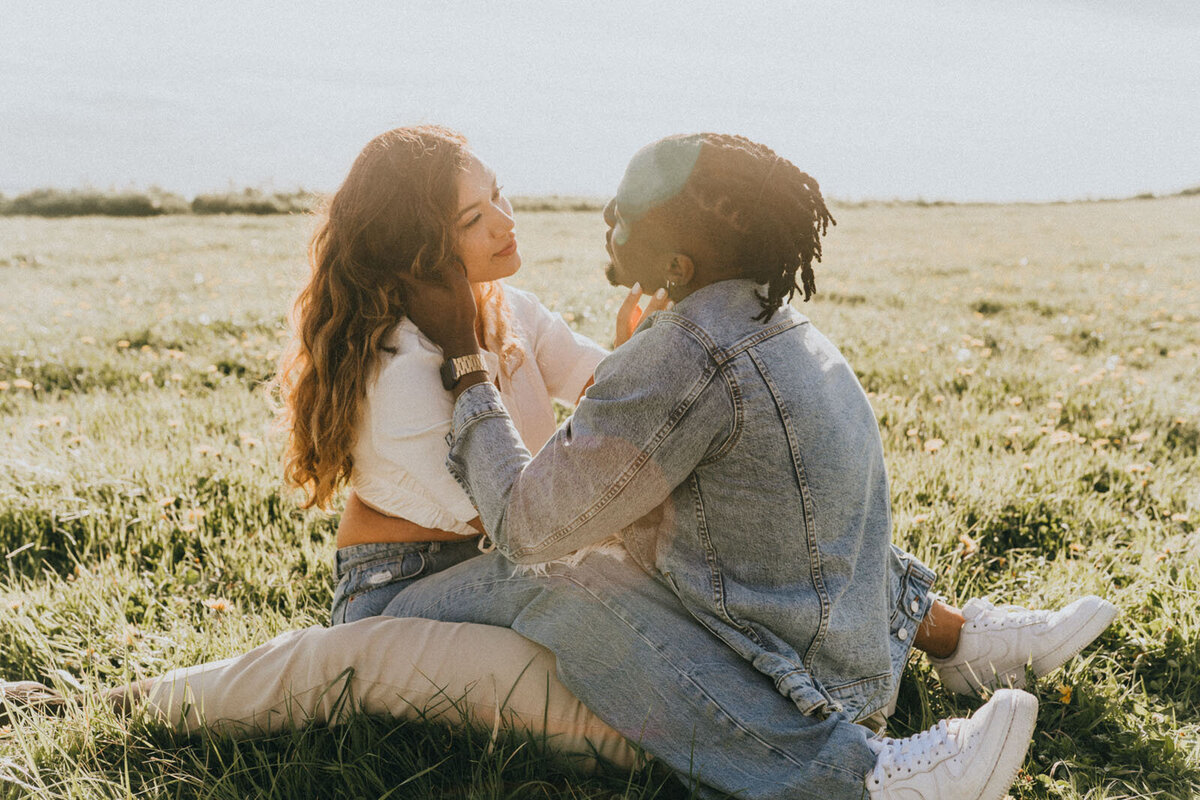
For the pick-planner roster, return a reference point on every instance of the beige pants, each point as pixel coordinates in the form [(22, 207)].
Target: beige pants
[(458, 673)]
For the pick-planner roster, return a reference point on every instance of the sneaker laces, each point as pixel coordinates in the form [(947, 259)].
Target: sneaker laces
[(988, 615), (918, 750)]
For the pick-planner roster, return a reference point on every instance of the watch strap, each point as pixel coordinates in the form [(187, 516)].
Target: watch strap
[(455, 368)]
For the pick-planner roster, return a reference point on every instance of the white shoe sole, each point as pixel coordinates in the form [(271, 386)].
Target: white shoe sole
[(1017, 738), (1102, 616), (976, 676)]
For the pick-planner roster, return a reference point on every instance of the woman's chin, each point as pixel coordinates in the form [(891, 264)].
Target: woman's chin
[(498, 267)]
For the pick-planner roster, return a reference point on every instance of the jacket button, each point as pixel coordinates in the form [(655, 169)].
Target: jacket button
[(902, 634), (915, 606)]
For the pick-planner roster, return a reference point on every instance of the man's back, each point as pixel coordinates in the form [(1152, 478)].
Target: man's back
[(778, 538)]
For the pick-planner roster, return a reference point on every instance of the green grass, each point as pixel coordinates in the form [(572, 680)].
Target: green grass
[(1034, 370)]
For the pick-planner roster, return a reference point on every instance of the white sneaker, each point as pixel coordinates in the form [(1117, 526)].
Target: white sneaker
[(959, 759), (997, 642)]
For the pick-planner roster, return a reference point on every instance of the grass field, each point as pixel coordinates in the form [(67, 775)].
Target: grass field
[(1034, 370)]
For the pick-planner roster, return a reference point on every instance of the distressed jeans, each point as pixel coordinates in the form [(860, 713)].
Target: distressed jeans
[(629, 650)]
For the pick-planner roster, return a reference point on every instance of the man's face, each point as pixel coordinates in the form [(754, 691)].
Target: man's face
[(634, 249), (637, 241)]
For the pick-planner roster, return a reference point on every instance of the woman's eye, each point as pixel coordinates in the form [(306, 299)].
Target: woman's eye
[(472, 221)]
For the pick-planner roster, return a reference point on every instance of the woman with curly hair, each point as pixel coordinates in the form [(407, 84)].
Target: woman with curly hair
[(364, 403)]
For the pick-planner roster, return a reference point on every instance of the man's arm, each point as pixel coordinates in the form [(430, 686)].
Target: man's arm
[(658, 406)]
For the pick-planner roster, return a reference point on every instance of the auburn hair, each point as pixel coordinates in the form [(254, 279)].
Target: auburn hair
[(393, 214)]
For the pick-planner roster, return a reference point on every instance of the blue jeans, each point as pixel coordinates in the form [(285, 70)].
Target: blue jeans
[(742, 465), (634, 655), (370, 575)]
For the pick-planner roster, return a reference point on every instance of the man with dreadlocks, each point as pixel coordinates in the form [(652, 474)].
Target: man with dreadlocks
[(733, 448)]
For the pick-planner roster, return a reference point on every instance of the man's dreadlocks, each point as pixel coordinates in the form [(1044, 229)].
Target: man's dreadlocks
[(773, 211)]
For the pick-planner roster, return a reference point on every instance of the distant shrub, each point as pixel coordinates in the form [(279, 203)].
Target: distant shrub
[(1190, 191), (556, 202), (253, 201), (921, 202), (85, 202), (987, 307), (843, 299)]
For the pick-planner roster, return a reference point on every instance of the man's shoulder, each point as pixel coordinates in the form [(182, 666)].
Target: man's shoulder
[(725, 317), (665, 349)]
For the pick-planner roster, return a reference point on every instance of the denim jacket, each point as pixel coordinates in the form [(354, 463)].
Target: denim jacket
[(742, 464)]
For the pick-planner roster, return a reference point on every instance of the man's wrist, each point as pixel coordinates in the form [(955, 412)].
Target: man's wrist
[(466, 382)]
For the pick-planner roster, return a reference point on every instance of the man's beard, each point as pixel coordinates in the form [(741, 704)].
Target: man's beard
[(610, 272)]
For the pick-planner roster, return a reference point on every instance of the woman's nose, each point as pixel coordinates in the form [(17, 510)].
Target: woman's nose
[(504, 221)]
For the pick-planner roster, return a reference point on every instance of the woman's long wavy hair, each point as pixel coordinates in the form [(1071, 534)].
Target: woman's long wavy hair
[(393, 214)]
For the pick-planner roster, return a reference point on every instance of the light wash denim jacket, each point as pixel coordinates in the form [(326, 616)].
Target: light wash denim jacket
[(742, 464)]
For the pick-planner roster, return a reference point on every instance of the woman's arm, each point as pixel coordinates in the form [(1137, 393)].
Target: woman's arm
[(361, 524)]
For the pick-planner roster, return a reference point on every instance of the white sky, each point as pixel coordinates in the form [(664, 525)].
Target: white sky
[(975, 100)]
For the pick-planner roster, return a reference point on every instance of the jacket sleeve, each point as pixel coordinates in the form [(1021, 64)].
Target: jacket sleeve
[(658, 407)]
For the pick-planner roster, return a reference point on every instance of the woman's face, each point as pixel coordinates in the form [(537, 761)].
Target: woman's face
[(486, 244)]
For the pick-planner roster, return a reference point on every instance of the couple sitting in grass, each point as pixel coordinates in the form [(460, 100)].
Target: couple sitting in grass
[(703, 547)]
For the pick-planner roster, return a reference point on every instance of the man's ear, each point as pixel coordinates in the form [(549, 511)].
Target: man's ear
[(681, 269)]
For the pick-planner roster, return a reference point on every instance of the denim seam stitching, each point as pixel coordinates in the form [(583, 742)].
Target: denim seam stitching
[(913, 580), (758, 338), (711, 348), (380, 559), (735, 394), (397, 578), (489, 411), (710, 556), (814, 555), (617, 486), (718, 583), (721, 354), (861, 681)]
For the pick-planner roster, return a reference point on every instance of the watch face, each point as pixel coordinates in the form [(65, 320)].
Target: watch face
[(449, 379)]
